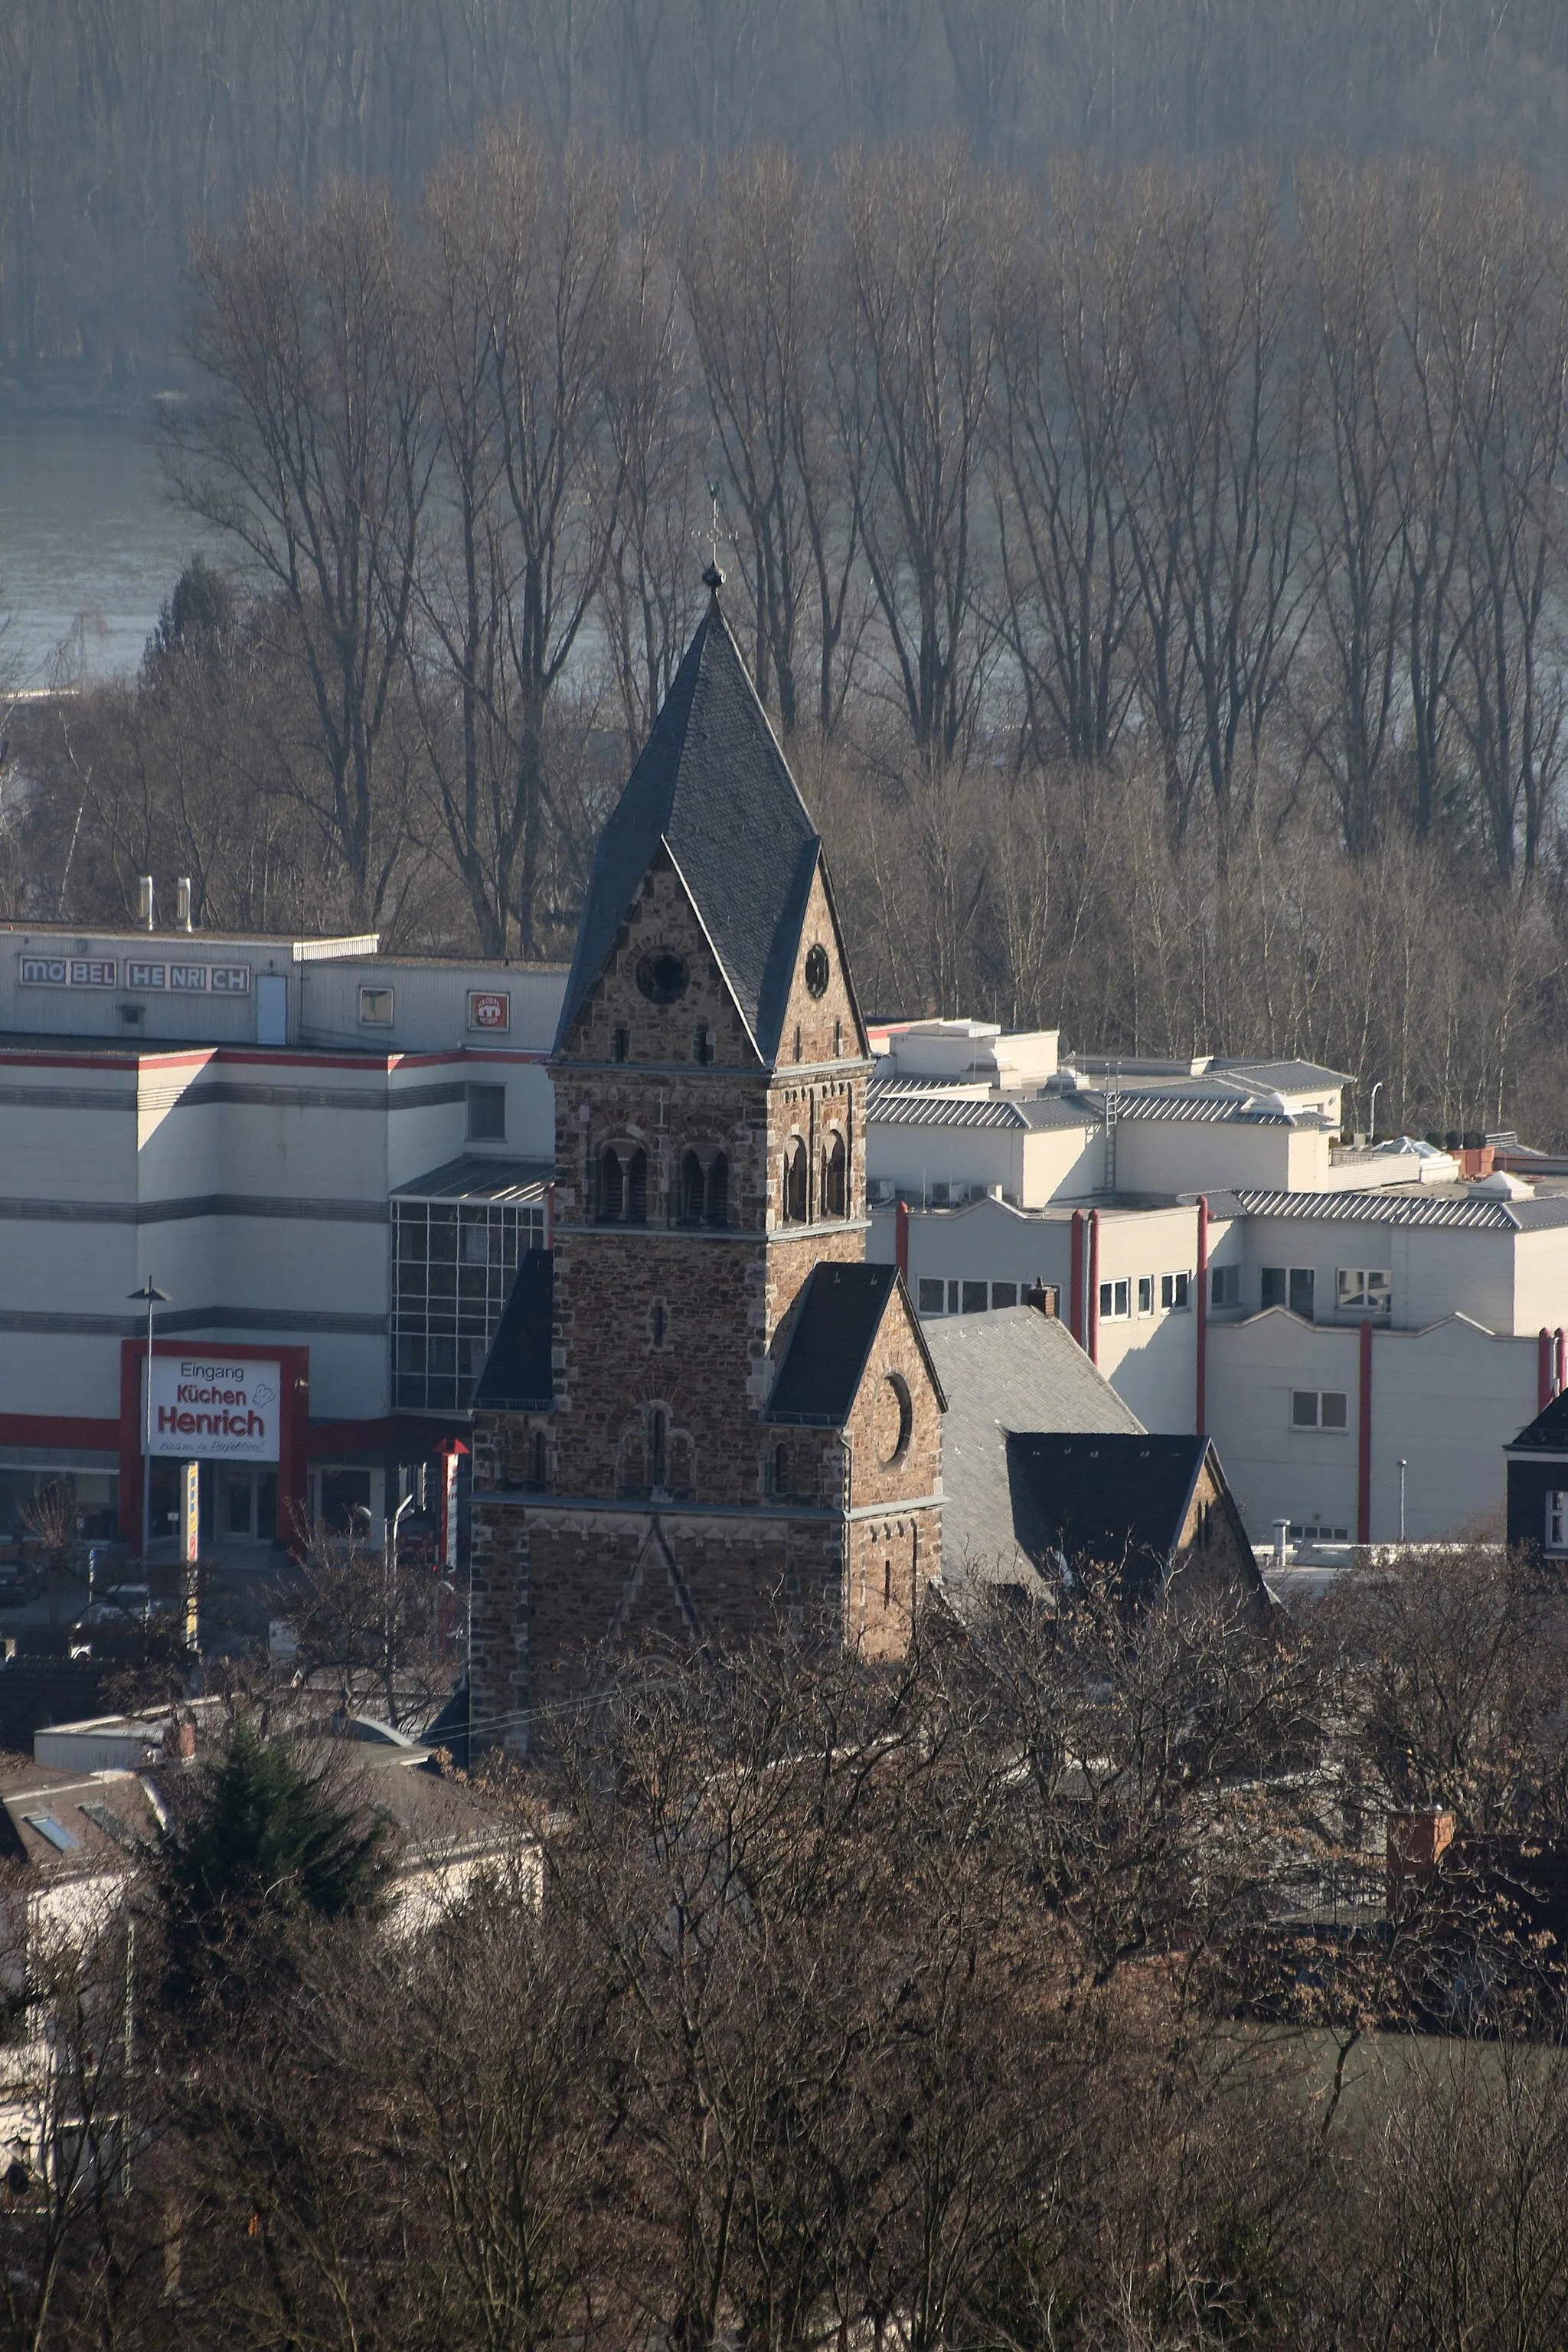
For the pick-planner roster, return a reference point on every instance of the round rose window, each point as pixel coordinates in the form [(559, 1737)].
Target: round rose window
[(662, 976), (817, 969)]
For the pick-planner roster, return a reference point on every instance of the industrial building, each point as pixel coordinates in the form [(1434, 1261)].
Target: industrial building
[(328, 1161), (1359, 1329)]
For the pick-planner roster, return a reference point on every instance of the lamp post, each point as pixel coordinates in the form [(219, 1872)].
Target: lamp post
[(1371, 1111), (152, 1297), (1403, 1465)]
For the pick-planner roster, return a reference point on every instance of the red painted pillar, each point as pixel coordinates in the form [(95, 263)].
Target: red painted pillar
[(1561, 1363), (1201, 1423), (1363, 1462), (902, 1239), (1093, 1286), (1075, 1302), (1543, 1367)]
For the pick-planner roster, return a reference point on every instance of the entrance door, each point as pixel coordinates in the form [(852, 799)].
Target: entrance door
[(271, 1009), (250, 1504)]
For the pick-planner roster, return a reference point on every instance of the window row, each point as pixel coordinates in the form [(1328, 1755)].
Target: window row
[(1173, 1290), (1365, 1292), (620, 1187), (934, 1296)]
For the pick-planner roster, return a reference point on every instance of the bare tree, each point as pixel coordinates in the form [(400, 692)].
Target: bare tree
[(762, 302), (1058, 424), (921, 240), (1213, 486), (311, 451)]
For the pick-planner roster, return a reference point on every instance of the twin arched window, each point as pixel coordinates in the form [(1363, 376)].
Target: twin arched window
[(623, 1185), (704, 1191), (833, 1200)]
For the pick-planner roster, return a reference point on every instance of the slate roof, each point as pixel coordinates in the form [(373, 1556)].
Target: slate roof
[(839, 1316), (516, 1377), (712, 783), (1107, 1496), (1548, 1433), (1012, 1369)]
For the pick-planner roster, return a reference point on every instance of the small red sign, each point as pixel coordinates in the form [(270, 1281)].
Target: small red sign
[(488, 1011)]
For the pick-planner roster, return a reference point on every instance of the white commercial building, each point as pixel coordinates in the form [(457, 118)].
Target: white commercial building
[(328, 1158), (1361, 1330)]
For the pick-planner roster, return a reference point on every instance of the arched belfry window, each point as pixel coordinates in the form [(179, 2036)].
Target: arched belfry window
[(719, 1189), (794, 1183), (636, 1188), (692, 1190), (658, 1448), (835, 1179), (612, 1186)]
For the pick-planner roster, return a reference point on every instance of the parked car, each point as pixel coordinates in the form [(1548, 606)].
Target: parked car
[(13, 1589)]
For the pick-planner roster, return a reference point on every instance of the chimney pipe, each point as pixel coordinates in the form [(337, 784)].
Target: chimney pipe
[(145, 914), (183, 903)]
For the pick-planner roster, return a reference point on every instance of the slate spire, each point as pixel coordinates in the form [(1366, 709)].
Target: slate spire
[(713, 786)]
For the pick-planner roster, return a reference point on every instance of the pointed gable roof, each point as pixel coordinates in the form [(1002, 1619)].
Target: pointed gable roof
[(840, 1313), (713, 786)]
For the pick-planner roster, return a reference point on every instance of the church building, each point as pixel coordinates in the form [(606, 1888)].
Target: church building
[(703, 1411)]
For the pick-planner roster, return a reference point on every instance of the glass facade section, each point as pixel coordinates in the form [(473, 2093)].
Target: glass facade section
[(454, 1265)]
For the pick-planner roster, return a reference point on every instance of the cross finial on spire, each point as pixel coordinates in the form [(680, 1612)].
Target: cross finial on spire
[(714, 578)]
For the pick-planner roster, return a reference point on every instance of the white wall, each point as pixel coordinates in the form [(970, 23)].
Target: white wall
[(1447, 1399)]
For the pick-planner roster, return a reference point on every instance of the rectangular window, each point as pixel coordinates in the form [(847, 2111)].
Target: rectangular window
[(1224, 1286), (1273, 1286), (487, 1114), (375, 1007), (1145, 1294), (1173, 1291), (931, 1295), (1301, 1287), (1365, 1291), (1115, 1301), (1319, 1408), (1557, 1520), (1004, 1294), (953, 1297), (975, 1298)]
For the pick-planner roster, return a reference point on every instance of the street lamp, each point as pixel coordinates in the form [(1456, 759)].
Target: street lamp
[(1404, 1466), (1371, 1111), (152, 1297)]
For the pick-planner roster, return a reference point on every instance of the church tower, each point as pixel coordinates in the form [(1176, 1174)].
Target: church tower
[(703, 1410)]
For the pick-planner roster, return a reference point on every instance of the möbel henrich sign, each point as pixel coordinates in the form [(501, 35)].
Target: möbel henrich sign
[(217, 1408)]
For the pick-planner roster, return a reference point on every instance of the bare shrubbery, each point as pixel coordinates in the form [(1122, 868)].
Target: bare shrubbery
[(993, 2001)]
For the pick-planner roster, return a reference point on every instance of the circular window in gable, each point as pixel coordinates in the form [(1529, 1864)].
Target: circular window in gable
[(817, 969), (893, 1421), (662, 976)]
